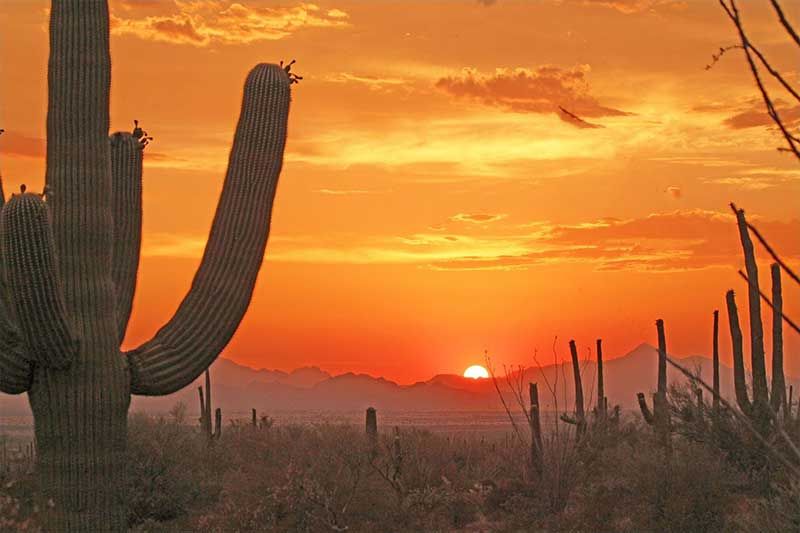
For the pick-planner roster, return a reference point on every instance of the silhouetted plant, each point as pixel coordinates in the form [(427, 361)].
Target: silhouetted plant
[(70, 260)]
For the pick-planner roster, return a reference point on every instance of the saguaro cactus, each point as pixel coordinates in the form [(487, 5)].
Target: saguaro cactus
[(659, 416), (70, 264), (579, 420), (602, 401), (715, 362), (536, 427), (764, 402)]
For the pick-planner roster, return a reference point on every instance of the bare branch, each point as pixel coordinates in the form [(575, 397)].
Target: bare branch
[(785, 22), (765, 298)]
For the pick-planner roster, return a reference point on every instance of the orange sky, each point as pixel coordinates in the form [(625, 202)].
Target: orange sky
[(434, 202)]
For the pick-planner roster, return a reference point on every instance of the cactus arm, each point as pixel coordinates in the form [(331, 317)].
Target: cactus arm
[(220, 294), (646, 413), (126, 189), (760, 392), (580, 413), (33, 283), (740, 386), (778, 397), (15, 372)]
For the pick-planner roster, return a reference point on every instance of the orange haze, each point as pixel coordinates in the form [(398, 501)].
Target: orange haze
[(435, 201)]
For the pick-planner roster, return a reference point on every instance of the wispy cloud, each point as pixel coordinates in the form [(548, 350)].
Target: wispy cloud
[(372, 82), (629, 7), (546, 89), (477, 218), (757, 179), (681, 240), (344, 192), (203, 22), (757, 116)]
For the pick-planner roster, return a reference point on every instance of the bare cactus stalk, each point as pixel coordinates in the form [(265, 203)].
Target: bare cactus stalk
[(372, 430), (397, 457), (715, 362), (217, 423), (758, 366), (580, 413), (739, 384), (535, 427), (77, 254), (602, 401), (208, 410), (202, 411), (646, 413), (778, 396), (659, 416)]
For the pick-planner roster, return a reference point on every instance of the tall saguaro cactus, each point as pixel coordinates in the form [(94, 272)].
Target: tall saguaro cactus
[(70, 262), (765, 403)]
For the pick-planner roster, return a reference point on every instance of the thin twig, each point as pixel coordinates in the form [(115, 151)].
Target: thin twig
[(785, 22), (773, 253), (733, 13), (502, 398)]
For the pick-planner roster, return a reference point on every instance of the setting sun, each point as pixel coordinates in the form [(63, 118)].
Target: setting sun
[(476, 372)]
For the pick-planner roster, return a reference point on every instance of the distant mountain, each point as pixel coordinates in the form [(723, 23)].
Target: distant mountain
[(238, 388), (306, 377)]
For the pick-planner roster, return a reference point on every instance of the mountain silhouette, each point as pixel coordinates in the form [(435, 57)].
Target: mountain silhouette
[(238, 388)]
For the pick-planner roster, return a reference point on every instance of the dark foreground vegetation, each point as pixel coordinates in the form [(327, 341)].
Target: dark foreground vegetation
[(336, 478)]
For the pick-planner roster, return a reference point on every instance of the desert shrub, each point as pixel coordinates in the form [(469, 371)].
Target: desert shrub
[(18, 503), (639, 486), (172, 470)]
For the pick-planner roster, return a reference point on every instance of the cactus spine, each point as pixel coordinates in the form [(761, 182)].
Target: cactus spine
[(70, 262)]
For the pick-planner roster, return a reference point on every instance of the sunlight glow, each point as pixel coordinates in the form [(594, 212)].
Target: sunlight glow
[(476, 372)]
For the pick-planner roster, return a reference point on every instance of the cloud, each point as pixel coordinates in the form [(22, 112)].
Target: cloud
[(630, 7), (661, 242), (756, 115), (757, 179), (477, 218), (344, 192), (372, 82), (681, 240), (547, 89), (203, 22), (674, 191)]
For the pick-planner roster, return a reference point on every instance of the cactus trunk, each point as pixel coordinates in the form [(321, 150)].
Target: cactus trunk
[(536, 428), (778, 396), (739, 384), (580, 411), (715, 362), (602, 402), (80, 413)]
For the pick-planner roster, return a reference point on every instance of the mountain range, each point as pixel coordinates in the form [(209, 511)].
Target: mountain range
[(237, 388)]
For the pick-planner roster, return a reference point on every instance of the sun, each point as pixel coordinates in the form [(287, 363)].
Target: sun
[(476, 372)]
